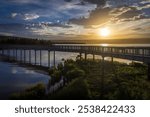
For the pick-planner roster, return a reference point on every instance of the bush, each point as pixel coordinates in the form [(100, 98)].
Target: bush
[(35, 92)]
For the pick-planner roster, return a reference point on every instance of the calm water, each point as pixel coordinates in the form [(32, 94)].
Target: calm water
[(114, 45), (14, 78)]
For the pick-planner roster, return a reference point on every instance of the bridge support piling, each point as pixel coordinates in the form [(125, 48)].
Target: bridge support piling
[(102, 77), (54, 58), (40, 57), (85, 56), (24, 55), (2, 52), (13, 54), (16, 55), (93, 57), (34, 57), (20, 55), (8, 52), (49, 59), (29, 56), (112, 59), (148, 71), (80, 55)]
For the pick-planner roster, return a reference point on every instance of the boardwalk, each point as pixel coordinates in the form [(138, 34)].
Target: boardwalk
[(141, 54)]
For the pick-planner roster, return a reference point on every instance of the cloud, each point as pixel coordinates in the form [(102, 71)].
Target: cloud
[(26, 16), (13, 15), (30, 16), (97, 16)]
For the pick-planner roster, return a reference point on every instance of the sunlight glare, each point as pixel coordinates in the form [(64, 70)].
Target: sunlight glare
[(104, 32)]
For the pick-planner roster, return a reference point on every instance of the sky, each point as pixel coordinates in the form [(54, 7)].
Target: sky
[(75, 19)]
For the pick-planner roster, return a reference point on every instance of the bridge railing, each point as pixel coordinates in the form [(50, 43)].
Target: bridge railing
[(137, 51)]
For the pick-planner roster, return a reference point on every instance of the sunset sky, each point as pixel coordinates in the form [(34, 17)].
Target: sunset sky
[(75, 19)]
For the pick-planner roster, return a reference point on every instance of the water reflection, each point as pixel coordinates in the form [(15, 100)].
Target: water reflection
[(14, 78)]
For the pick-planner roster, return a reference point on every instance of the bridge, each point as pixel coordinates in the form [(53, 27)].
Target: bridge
[(141, 54)]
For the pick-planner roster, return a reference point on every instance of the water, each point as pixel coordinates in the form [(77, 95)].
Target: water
[(113, 45), (15, 79)]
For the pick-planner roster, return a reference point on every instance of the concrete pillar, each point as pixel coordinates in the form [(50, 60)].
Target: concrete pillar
[(148, 71), (54, 58), (40, 57), (29, 56), (35, 56), (49, 59)]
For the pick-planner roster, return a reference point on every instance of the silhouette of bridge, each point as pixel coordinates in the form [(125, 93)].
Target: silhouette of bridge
[(141, 54)]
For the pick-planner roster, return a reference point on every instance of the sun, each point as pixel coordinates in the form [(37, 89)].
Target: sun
[(104, 32)]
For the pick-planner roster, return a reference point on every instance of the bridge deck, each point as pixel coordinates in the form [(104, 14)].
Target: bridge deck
[(131, 53)]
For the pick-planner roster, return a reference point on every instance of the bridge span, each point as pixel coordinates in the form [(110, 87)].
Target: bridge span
[(141, 54)]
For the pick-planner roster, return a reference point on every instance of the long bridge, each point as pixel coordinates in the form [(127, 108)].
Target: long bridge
[(141, 54)]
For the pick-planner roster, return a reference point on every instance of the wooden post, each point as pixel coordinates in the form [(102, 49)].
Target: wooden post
[(30, 56), (21, 55), (40, 58), (16, 54), (13, 54), (85, 56), (112, 59), (35, 56), (80, 55), (102, 78), (24, 56), (93, 57), (49, 59), (2, 52)]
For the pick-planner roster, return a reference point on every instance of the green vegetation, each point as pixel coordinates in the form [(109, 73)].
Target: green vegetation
[(35, 92), (95, 80)]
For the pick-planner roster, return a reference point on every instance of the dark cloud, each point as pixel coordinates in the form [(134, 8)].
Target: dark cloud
[(137, 29), (98, 2), (130, 13), (67, 0), (97, 16)]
